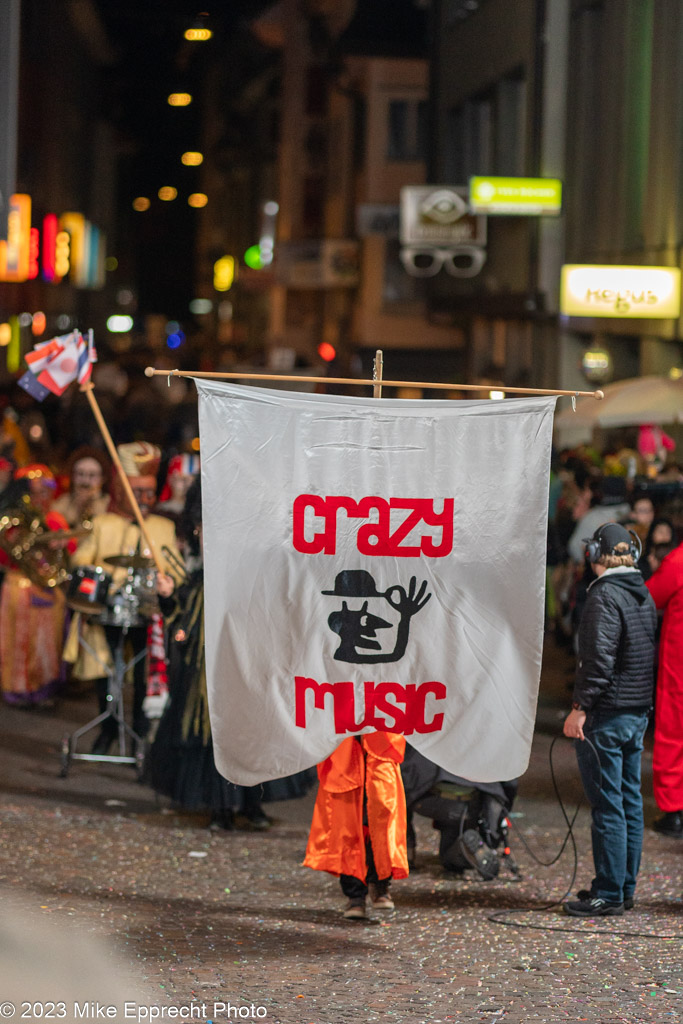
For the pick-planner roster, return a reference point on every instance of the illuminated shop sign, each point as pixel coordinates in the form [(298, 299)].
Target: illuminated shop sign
[(525, 197), (15, 252), (49, 247), (646, 292), (439, 215), (69, 244)]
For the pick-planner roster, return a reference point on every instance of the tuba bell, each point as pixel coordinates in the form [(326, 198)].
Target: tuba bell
[(25, 537)]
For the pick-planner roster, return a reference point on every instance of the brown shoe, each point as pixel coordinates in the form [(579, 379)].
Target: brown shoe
[(381, 900), (355, 910)]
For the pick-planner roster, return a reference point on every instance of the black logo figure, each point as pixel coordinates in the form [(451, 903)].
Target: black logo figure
[(357, 628)]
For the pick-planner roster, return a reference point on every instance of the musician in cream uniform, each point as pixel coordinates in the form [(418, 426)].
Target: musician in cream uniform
[(116, 532)]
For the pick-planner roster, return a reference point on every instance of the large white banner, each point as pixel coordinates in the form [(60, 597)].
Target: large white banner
[(372, 564)]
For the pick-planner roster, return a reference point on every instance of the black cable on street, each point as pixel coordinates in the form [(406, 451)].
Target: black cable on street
[(503, 916)]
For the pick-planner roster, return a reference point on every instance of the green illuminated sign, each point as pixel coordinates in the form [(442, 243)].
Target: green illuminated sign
[(252, 257), (517, 197)]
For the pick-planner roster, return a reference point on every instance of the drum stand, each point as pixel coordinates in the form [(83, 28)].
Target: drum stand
[(115, 710)]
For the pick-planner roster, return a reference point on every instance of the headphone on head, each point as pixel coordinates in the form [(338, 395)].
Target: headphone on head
[(596, 546)]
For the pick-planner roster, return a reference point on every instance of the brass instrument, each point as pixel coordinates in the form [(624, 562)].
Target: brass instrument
[(26, 539), (88, 512), (175, 562)]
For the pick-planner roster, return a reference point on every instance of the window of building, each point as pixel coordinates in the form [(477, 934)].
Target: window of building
[(486, 134), (510, 126), (360, 119), (468, 147), (407, 128)]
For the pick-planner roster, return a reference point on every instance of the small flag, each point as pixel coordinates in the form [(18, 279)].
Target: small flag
[(30, 383), (56, 363), (63, 368), (45, 351), (84, 362)]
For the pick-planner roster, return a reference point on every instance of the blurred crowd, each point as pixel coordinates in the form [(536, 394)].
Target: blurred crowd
[(588, 489)]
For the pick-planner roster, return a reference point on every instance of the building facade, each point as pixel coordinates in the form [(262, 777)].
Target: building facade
[(590, 93)]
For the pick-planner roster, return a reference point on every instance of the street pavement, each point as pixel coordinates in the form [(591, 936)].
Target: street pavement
[(117, 907)]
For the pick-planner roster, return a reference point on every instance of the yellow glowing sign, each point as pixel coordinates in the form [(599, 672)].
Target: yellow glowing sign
[(198, 35), (198, 199), (179, 99), (527, 197), (167, 193), (645, 292), (141, 204), (14, 346), (62, 254), (15, 255), (224, 273), (192, 159), (74, 223)]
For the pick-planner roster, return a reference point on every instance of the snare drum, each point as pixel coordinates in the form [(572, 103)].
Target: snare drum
[(143, 585), (88, 589), (134, 603), (122, 610)]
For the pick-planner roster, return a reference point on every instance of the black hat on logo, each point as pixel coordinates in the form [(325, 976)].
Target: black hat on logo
[(354, 583)]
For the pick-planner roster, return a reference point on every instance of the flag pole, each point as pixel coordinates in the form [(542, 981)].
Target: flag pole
[(377, 373), (151, 371), (88, 389)]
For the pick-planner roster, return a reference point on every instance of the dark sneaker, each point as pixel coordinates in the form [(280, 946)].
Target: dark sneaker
[(355, 910), (587, 894), (478, 855), (253, 823), (380, 897), (670, 824), (594, 907), (222, 820)]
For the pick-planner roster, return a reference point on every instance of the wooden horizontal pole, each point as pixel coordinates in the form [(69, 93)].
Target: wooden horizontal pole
[(150, 371)]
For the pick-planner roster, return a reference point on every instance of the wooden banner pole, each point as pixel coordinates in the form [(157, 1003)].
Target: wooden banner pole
[(151, 371), (378, 366), (88, 389)]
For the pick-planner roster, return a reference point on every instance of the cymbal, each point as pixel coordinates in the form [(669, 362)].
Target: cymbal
[(130, 561), (50, 535), (85, 607)]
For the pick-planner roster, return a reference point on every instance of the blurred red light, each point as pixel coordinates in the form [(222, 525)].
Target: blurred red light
[(326, 351)]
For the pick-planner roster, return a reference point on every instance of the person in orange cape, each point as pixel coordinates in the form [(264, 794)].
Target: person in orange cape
[(358, 830)]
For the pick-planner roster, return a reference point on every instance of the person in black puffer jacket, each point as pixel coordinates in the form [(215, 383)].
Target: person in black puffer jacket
[(612, 699)]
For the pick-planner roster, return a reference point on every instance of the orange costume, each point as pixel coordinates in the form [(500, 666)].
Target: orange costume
[(336, 842)]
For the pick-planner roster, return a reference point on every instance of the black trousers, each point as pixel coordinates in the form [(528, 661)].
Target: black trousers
[(357, 888)]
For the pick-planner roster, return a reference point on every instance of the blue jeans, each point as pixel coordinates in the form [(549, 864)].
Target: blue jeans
[(616, 801)]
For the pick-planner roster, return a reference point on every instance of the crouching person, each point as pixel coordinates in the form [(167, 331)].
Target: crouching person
[(358, 830), (612, 698), (470, 816)]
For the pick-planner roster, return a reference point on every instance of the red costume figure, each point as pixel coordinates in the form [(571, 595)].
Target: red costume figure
[(666, 587)]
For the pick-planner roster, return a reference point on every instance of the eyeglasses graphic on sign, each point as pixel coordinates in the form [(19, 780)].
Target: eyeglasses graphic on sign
[(459, 261)]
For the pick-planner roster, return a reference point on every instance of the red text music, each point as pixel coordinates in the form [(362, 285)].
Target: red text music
[(388, 707)]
